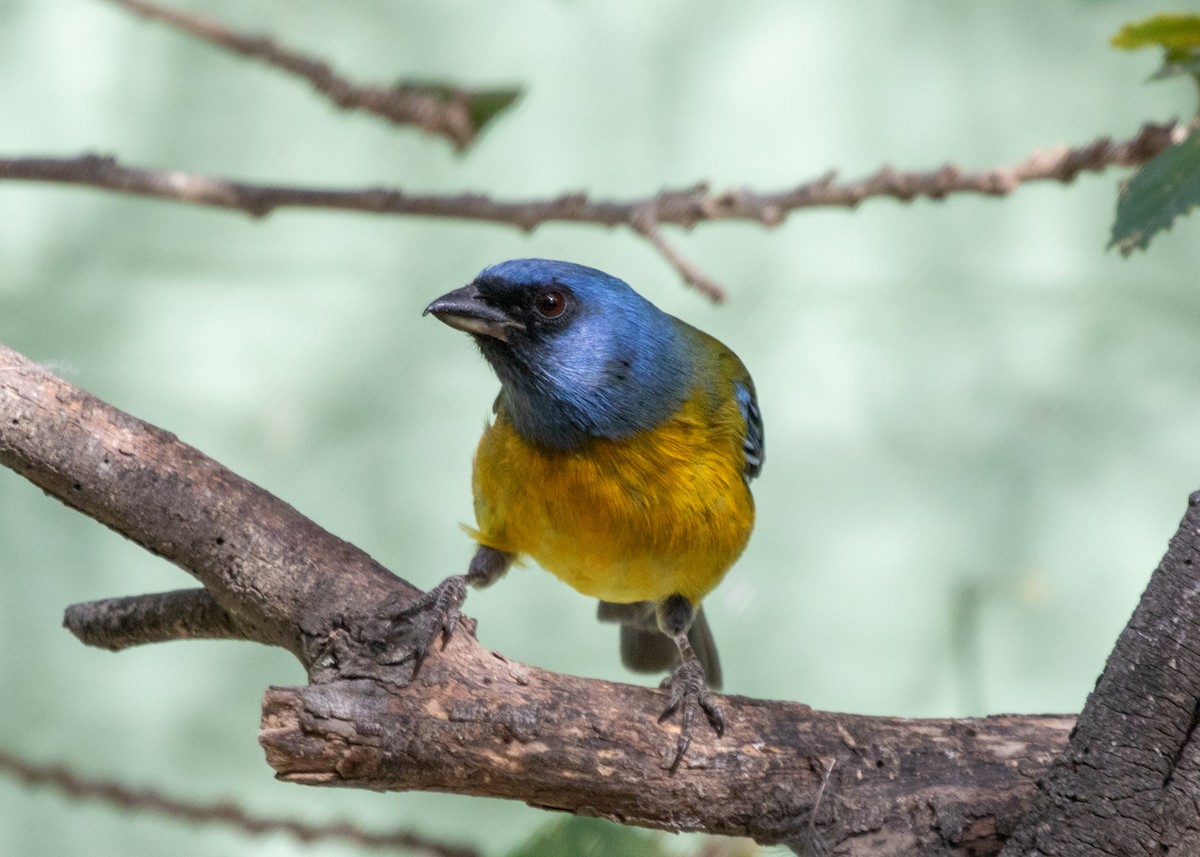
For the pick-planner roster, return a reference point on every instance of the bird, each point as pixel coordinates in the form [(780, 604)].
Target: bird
[(619, 457)]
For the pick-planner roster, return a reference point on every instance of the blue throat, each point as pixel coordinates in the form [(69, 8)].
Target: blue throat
[(618, 367)]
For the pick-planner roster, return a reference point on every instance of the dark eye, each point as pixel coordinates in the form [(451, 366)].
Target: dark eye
[(550, 303)]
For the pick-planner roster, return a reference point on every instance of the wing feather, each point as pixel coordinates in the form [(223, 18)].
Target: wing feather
[(753, 442)]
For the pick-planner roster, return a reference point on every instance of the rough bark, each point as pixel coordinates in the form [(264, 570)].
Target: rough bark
[(487, 726), (282, 579), (1129, 781), (477, 723), (186, 614)]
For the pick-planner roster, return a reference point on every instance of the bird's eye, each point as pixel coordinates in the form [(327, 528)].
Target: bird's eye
[(550, 303)]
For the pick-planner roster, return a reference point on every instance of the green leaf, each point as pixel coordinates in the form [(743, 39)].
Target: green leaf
[(1175, 68), (1178, 36), (483, 105), (589, 837), (1164, 189), (1174, 32)]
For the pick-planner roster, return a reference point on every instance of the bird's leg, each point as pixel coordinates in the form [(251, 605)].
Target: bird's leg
[(688, 685), (436, 611)]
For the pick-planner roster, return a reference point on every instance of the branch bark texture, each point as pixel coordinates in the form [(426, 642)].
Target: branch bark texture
[(118, 623), (1129, 781), (269, 568), (497, 728)]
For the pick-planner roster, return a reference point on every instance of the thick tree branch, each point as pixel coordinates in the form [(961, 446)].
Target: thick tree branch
[(478, 723), (679, 207), (1129, 781), (446, 116), (899, 787), (142, 482)]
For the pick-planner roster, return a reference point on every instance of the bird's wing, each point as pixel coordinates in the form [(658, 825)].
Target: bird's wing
[(753, 442)]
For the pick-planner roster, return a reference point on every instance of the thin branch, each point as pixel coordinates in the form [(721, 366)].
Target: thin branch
[(448, 116), (186, 614), (646, 226), (679, 207), (66, 781)]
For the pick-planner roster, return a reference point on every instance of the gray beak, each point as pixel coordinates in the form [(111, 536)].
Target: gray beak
[(464, 309)]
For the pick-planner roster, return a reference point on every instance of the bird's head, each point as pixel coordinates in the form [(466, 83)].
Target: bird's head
[(579, 353)]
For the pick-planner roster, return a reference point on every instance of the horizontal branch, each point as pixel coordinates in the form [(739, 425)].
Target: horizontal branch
[(498, 728), (448, 116), (681, 207), (186, 614), (116, 794)]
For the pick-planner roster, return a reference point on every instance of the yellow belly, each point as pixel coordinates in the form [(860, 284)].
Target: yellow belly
[(663, 512)]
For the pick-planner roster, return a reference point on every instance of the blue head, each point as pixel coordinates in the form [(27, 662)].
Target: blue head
[(579, 353)]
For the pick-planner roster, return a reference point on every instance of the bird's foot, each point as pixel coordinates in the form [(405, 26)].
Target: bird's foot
[(435, 613), (689, 692)]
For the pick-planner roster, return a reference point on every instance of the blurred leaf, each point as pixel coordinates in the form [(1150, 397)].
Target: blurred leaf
[(487, 104), (1179, 34), (1162, 190), (1174, 68), (589, 837), (483, 105)]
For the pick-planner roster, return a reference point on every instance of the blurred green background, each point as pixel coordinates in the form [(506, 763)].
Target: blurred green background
[(980, 425)]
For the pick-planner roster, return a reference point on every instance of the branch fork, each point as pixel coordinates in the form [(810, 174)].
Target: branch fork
[(478, 723)]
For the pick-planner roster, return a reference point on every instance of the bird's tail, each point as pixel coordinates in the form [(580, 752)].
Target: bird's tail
[(646, 649)]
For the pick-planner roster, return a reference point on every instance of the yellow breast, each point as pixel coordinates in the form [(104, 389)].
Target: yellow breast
[(662, 512)]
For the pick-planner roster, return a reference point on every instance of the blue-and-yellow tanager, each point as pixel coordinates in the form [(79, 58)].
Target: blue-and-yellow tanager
[(619, 458)]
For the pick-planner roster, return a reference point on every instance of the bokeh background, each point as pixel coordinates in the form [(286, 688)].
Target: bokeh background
[(981, 426)]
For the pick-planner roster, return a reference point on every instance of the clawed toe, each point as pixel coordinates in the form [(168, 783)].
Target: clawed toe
[(689, 692), (434, 614)]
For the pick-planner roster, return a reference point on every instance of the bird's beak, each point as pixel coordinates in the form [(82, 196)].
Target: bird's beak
[(464, 309)]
